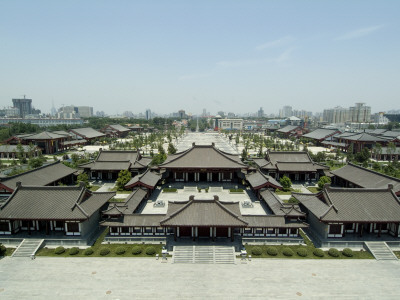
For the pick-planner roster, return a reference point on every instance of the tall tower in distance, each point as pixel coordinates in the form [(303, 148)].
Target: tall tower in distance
[(24, 105)]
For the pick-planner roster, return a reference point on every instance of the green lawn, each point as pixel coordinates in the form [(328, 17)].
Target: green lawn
[(309, 247), (397, 253), (116, 200), (112, 247), (313, 189), (280, 192), (94, 188), (169, 190), (9, 251)]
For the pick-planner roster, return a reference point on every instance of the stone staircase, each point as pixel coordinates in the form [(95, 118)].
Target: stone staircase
[(27, 248), (204, 254), (191, 189), (380, 251)]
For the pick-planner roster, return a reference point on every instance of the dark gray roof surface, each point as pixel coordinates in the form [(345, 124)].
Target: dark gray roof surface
[(287, 129), (203, 157), (74, 142), (366, 178), (278, 207), (363, 137), (148, 178), (116, 155), (321, 133), (119, 128), (353, 205), (40, 176), (134, 199), (13, 148), (203, 213), (261, 162), (259, 179), (296, 167), (88, 133), (287, 156), (135, 220), (335, 144), (53, 203), (45, 135), (272, 222), (110, 165)]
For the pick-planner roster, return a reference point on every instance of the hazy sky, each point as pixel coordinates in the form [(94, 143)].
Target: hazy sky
[(233, 56)]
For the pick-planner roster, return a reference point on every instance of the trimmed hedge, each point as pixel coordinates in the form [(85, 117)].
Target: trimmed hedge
[(272, 251), (319, 252), (88, 251), (104, 251), (150, 250), (73, 251), (136, 250), (347, 252), (334, 252), (288, 252), (59, 250), (120, 250), (302, 252), (3, 250), (256, 251)]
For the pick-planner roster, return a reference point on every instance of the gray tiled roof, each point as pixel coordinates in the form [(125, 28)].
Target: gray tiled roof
[(366, 178), (148, 178), (261, 162), (321, 133), (259, 179), (278, 207), (74, 142), (135, 220), (272, 222), (203, 213), (52, 203), (287, 156), (363, 137), (287, 129), (353, 205), (41, 176), (296, 167), (110, 165), (45, 135), (203, 157), (13, 148), (335, 144), (119, 128), (87, 133)]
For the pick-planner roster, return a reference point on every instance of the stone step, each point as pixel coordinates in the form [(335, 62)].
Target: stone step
[(27, 248), (381, 251), (204, 254)]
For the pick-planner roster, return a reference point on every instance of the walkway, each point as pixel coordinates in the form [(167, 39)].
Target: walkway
[(123, 278)]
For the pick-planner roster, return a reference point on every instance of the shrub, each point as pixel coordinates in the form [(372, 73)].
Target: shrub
[(334, 252), (88, 251), (288, 252), (2, 250), (104, 251), (347, 252), (318, 252), (73, 251), (256, 251), (136, 250), (150, 250), (120, 250), (59, 250), (302, 252), (272, 251)]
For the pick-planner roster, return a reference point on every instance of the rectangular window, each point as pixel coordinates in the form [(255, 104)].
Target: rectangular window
[(348, 226), (125, 229), (335, 229), (179, 175), (72, 227), (148, 230), (4, 226), (259, 231), (59, 224), (160, 230), (113, 229), (271, 230), (137, 230), (282, 231), (293, 230)]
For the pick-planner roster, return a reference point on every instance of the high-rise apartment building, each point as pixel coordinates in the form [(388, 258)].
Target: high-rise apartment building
[(286, 112), (24, 105), (148, 114), (360, 113)]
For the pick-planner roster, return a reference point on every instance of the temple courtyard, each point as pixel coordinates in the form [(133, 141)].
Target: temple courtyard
[(144, 278)]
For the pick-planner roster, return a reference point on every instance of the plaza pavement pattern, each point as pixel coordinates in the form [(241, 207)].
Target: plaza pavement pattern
[(148, 278)]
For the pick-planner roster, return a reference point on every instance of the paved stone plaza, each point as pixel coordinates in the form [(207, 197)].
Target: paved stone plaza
[(138, 278)]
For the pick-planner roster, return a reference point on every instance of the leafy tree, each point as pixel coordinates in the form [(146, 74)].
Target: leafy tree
[(21, 154), (322, 181), (391, 149), (363, 156), (123, 178), (286, 183), (161, 149), (158, 159), (83, 177), (171, 149), (244, 154), (35, 162), (350, 154)]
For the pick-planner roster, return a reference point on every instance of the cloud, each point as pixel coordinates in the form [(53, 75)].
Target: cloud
[(284, 56), (277, 43), (355, 34), (194, 76)]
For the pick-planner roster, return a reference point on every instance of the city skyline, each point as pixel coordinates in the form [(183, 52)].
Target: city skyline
[(234, 57)]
